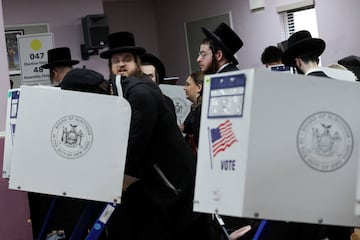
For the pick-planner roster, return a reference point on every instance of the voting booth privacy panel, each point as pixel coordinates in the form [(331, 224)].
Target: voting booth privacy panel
[(70, 143), (10, 121), (279, 146), (177, 95)]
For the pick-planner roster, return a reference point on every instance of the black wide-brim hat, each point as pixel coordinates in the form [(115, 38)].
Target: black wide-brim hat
[(300, 43), (226, 38), (59, 57), (149, 58), (83, 80), (351, 60), (121, 42), (352, 63)]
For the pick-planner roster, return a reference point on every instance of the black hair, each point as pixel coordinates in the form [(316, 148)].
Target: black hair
[(309, 57), (271, 54)]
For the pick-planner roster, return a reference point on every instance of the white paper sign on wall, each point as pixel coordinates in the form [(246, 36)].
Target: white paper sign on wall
[(33, 53)]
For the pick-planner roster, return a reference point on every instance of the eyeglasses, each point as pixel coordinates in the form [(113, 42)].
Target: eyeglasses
[(125, 59), (203, 54)]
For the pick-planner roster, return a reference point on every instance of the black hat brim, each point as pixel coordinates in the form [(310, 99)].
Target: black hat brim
[(314, 46), (350, 61), (108, 53), (217, 40), (60, 63)]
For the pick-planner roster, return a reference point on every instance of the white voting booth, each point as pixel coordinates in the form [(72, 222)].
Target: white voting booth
[(177, 95), (279, 146), (11, 116), (70, 143)]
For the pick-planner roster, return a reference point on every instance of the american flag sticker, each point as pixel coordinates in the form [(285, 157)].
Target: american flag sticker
[(222, 137)]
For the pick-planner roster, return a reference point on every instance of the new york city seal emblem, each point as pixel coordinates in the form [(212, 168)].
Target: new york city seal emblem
[(181, 108), (71, 137), (325, 141)]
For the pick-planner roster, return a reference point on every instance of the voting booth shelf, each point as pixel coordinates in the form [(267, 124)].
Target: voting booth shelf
[(279, 146), (70, 143)]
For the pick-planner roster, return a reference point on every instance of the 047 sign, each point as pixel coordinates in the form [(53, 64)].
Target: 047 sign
[(40, 58), (33, 53)]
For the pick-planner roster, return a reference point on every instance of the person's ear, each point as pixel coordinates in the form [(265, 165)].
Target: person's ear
[(298, 62), (199, 88), (219, 55), (55, 73)]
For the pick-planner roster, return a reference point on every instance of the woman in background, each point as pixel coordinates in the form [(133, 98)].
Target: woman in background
[(193, 91)]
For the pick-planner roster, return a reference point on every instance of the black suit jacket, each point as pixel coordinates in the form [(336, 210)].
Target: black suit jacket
[(150, 209), (318, 74), (229, 68)]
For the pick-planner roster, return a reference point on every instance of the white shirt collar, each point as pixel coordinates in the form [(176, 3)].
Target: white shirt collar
[(313, 70), (222, 67)]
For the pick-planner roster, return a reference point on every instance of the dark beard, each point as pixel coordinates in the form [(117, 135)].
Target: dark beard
[(209, 71), (214, 67)]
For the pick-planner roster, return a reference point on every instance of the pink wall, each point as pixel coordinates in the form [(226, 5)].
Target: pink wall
[(136, 16), (4, 84), (171, 28), (14, 210), (339, 26)]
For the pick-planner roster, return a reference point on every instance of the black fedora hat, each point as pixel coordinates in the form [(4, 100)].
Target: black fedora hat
[(121, 42), (226, 38), (150, 59), (59, 57), (302, 42)]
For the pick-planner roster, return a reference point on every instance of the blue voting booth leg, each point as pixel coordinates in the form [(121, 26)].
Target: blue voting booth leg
[(45, 226), (82, 224), (260, 229), (87, 214), (100, 223)]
